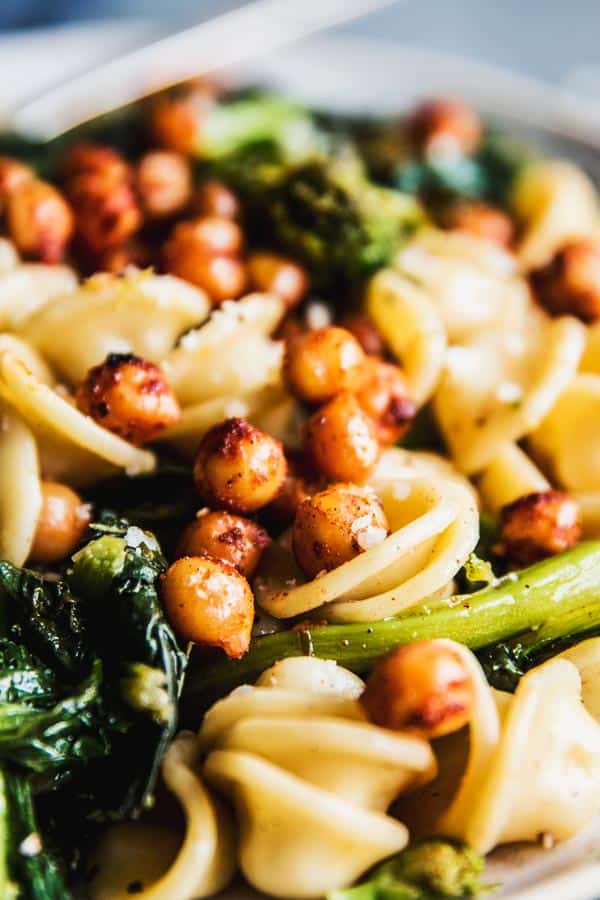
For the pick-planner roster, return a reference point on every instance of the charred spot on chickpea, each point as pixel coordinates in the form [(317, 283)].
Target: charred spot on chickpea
[(222, 535), (538, 525)]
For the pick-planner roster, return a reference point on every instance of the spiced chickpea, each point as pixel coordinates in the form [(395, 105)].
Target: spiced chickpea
[(570, 283), (207, 236), (385, 397), (222, 277), (423, 688), (481, 220), (215, 198), (203, 251), (208, 602), (40, 221), (87, 158), (61, 524), (173, 124), (446, 127), (222, 535), (129, 396), (275, 274), (13, 173), (106, 210), (341, 440), (366, 333), (335, 525), (163, 180), (539, 525), (322, 363), (239, 467)]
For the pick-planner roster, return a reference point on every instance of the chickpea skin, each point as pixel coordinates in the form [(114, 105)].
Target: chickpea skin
[(366, 333), (203, 251), (446, 127), (208, 602), (275, 274), (87, 158), (215, 198), (13, 173), (384, 396), (335, 525), (173, 124), (163, 180), (423, 688), (239, 467), (106, 210), (539, 525), (61, 525), (40, 221), (570, 283), (481, 220), (341, 440), (221, 535), (322, 363), (130, 397)]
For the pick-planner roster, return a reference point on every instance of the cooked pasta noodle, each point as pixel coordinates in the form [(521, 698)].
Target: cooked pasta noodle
[(511, 474), (310, 779), (20, 490)]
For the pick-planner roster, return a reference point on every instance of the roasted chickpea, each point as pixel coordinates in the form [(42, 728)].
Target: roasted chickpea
[(62, 522), (341, 440), (129, 396), (222, 277), (214, 198), (106, 210), (173, 124), (570, 282), (40, 221), (164, 182), (12, 174), (239, 467), (539, 525), (86, 158), (423, 688), (366, 333), (481, 220), (300, 483), (203, 251), (385, 397), (221, 535), (335, 525), (322, 363), (208, 602), (275, 274), (209, 236), (446, 127)]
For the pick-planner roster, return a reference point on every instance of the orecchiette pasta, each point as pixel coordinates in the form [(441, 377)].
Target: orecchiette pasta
[(511, 474), (152, 857), (433, 519), (310, 778), (138, 313), (20, 490), (28, 288)]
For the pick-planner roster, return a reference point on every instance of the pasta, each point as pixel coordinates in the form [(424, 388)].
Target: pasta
[(310, 780), (434, 526), (510, 474), (150, 856), (20, 491)]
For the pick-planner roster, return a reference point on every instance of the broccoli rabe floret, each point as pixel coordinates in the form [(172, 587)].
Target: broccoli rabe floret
[(430, 870)]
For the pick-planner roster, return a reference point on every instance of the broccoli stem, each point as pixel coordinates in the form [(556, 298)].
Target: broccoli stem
[(561, 592)]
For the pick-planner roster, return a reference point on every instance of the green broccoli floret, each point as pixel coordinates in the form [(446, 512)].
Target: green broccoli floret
[(97, 564), (430, 870)]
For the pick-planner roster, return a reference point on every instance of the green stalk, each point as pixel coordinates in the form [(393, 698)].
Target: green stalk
[(565, 589)]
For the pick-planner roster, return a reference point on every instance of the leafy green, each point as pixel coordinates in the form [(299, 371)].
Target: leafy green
[(430, 870)]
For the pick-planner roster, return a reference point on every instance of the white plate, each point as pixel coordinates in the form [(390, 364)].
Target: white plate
[(354, 74)]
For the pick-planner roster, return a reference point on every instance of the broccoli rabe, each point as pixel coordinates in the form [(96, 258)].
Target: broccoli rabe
[(430, 870)]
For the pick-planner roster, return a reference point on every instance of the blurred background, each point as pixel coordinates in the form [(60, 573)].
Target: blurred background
[(546, 38)]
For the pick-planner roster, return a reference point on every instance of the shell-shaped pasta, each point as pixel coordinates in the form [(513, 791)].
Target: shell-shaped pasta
[(412, 328), (511, 474), (590, 361), (586, 657), (26, 288), (137, 313), (9, 258), (471, 282), (310, 778), (499, 387), (232, 354), (152, 857), (554, 200), (20, 490), (434, 525), (72, 447)]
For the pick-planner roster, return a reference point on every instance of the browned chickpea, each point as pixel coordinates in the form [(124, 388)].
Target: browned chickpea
[(481, 220), (222, 277), (164, 182), (208, 236), (335, 525), (13, 173), (86, 158), (173, 124), (106, 210), (423, 688), (62, 522), (214, 198), (570, 283), (384, 396), (341, 440), (300, 483), (40, 221), (275, 274), (446, 127), (208, 602), (539, 525), (129, 396), (221, 535), (366, 333), (239, 467), (322, 363)]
